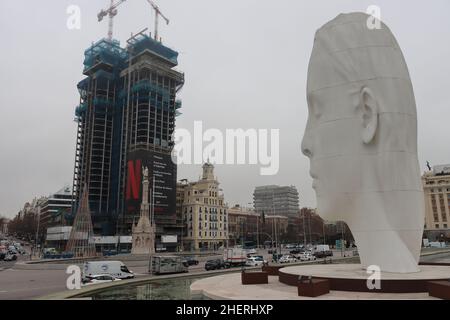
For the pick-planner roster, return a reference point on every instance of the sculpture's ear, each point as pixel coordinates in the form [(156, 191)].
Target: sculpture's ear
[(369, 115)]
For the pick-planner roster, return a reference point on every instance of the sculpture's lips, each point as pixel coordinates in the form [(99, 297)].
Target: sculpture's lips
[(314, 176)]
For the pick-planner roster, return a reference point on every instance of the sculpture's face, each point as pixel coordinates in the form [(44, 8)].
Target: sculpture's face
[(361, 139), (332, 142)]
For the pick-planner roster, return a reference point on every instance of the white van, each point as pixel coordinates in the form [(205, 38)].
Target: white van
[(116, 269), (322, 247)]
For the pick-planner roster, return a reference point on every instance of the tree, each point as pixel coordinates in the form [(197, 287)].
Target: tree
[(24, 227)]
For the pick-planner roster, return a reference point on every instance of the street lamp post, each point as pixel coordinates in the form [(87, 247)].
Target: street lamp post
[(342, 239), (323, 231), (37, 229), (304, 230)]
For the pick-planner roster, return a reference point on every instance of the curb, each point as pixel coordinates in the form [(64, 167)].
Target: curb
[(88, 291)]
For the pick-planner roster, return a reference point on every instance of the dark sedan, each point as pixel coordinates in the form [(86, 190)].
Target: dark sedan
[(191, 261), (214, 265)]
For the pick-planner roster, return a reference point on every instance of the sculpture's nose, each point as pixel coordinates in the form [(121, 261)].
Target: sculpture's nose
[(306, 146)]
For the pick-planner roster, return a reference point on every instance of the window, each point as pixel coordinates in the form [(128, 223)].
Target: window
[(445, 225), (436, 226)]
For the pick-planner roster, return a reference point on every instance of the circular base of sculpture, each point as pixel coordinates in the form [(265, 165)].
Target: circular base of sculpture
[(351, 277), (229, 287)]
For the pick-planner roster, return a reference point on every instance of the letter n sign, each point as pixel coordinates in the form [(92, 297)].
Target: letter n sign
[(134, 179)]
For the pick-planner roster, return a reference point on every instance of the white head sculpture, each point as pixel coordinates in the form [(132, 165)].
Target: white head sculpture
[(361, 138)]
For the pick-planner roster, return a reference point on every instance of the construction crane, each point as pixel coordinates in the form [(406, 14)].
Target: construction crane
[(111, 12), (157, 14)]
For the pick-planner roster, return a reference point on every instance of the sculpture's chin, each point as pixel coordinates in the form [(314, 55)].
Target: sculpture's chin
[(324, 209)]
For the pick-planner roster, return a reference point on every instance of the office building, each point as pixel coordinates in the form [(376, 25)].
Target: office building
[(55, 208), (126, 118), (436, 185), (276, 200)]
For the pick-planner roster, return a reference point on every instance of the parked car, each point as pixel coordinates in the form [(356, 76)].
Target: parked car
[(251, 251), (259, 257), (102, 278), (10, 257), (276, 257), (255, 262), (307, 256), (287, 259), (290, 246), (2, 256), (297, 251), (323, 254), (191, 261), (214, 264)]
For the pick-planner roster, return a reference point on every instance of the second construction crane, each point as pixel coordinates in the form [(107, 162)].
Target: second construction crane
[(111, 12), (157, 14)]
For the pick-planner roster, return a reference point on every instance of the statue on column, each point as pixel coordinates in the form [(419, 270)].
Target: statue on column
[(143, 233)]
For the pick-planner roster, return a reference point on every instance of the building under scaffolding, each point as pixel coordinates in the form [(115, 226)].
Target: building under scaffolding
[(126, 119)]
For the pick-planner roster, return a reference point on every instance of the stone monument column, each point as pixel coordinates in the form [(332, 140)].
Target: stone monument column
[(143, 234)]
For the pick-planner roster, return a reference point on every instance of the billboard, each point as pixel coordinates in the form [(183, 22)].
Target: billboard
[(162, 174), (169, 239), (441, 169)]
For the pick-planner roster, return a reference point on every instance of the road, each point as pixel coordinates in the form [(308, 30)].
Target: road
[(28, 284), (16, 284)]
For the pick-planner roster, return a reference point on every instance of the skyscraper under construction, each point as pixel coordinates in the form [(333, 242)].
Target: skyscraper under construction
[(126, 118)]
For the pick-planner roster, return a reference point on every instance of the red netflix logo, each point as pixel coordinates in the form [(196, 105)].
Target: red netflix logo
[(134, 179)]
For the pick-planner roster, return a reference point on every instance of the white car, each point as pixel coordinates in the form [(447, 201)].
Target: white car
[(101, 278), (251, 251), (254, 262), (287, 259), (307, 256)]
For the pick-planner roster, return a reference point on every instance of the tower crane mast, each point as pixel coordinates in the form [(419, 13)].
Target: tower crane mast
[(158, 13), (111, 12)]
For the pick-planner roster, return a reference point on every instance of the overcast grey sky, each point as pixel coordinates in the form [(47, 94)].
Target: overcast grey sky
[(245, 63)]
